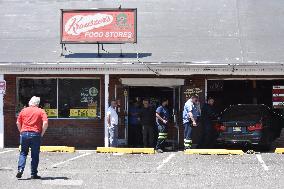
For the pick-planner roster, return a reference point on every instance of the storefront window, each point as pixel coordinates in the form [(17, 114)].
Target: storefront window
[(79, 98), (75, 98), (46, 89)]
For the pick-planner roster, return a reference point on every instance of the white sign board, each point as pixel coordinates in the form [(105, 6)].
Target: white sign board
[(278, 96)]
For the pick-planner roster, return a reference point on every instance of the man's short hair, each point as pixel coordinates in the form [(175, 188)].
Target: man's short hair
[(210, 98), (164, 100), (34, 101), (146, 99), (194, 96), (113, 100)]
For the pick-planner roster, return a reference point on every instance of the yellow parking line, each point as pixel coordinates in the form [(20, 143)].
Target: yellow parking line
[(213, 152), (126, 150), (279, 150)]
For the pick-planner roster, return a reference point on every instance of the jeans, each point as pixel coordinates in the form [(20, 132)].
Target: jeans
[(163, 135), (113, 135), (187, 135), (29, 140)]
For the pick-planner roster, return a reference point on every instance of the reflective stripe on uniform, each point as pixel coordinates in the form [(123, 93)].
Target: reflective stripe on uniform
[(187, 141), (163, 134)]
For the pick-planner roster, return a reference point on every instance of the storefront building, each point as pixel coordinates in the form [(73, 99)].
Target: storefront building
[(230, 51)]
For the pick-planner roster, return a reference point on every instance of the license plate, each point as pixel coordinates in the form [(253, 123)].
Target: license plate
[(237, 129)]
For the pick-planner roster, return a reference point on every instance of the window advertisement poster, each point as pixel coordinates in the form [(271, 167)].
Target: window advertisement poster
[(278, 97)]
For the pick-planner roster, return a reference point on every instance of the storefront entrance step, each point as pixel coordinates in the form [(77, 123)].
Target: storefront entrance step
[(213, 152), (56, 149), (279, 150), (126, 150)]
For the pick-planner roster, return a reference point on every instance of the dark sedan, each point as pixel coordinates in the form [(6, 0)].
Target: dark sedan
[(249, 125)]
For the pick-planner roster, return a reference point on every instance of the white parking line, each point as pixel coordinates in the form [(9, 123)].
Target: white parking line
[(66, 161), (265, 167), (6, 151), (165, 161)]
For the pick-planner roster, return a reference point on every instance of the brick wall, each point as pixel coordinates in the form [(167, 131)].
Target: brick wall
[(74, 132)]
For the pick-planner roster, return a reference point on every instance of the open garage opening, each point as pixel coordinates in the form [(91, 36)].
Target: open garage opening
[(232, 92), (235, 96)]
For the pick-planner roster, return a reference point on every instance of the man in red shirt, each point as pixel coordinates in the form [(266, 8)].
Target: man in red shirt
[(32, 123)]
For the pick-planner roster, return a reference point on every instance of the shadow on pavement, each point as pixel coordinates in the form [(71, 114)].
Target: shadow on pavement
[(47, 178), (108, 55), (54, 178)]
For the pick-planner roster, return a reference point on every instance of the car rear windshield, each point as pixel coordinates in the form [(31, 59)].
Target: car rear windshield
[(243, 113)]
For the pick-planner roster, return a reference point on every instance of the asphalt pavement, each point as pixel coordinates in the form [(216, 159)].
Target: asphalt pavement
[(88, 169)]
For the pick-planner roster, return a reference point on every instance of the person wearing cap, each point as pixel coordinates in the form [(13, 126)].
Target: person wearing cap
[(162, 120), (112, 124), (32, 123), (191, 113)]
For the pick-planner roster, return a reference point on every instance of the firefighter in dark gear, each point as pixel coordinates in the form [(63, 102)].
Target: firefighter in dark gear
[(208, 116), (162, 119)]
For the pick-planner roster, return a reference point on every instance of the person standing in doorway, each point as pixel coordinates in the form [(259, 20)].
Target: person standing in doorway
[(135, 129), (162, 120), (147, 120), (191, 112), (112, 124), (208, 115), (32, 123)]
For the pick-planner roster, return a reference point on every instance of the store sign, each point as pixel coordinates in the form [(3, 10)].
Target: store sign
[(278, 96), (2, 87), (99, 26), (83, 113)]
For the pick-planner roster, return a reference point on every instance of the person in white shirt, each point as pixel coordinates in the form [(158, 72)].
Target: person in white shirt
[(112, 124)]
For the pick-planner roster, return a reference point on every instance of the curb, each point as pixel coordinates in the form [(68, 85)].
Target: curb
[(279, 151), (213, 152), (126, 150), (56, 149)]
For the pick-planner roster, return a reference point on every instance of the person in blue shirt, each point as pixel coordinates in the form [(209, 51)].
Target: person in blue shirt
[(135, 128), (191, 113), (162, 120)]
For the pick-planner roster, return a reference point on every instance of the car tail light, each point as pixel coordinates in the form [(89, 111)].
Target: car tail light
[(219, 127), (255, 127)]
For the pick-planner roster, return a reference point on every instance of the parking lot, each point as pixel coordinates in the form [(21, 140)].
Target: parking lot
[(88, 169)]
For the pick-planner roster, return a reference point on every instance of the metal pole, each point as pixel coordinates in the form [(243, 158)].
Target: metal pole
[(1, 116), (106, 108)]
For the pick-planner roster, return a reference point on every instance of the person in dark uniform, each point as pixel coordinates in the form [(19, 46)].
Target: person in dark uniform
[(208, 114), (162, 120), (147, 115)]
